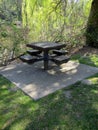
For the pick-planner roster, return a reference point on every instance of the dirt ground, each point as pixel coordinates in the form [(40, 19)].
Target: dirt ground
[(84, 51)]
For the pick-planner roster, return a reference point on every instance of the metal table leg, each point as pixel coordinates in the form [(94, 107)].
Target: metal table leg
[(46, 59)]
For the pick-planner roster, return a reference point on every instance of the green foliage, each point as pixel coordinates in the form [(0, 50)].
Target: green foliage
[(12, 42), (51, 20), (3, 34)]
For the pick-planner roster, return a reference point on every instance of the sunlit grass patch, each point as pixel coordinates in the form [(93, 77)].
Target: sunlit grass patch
[(94, 80)]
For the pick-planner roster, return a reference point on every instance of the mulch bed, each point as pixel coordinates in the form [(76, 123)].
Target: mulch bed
[(84, 51)]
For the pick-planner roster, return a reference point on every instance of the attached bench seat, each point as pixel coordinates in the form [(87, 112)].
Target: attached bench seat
[(60, 52), (61, 59), (28, 58), (33, 52)]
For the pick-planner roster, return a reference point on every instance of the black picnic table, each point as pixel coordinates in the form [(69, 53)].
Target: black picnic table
[(45, 47)]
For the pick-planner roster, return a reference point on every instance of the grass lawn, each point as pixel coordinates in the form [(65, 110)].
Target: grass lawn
[(91, 60), (57, 111)]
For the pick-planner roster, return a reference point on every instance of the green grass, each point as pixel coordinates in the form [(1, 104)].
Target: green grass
[(91, 60), (54, 112)]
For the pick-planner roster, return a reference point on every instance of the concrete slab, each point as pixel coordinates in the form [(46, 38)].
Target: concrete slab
[(37, 83)]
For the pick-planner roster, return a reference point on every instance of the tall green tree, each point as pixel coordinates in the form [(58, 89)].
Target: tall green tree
[(92, 25)]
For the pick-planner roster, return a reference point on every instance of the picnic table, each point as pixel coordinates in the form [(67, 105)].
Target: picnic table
[(44, 48)]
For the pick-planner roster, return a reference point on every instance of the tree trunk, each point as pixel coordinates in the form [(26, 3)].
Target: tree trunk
[(92, 26)]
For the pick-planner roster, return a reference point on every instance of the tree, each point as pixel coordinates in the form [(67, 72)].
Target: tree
[(92, 25)]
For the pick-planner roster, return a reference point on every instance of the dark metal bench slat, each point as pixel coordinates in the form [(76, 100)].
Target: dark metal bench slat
[(60, 52), (61, 59), (33, 52), (28, 58)]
